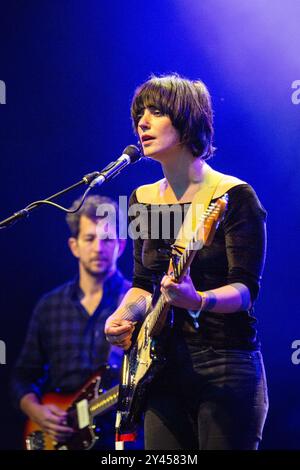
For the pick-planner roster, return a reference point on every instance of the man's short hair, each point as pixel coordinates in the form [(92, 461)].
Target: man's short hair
[(186, 102), (89, 208)]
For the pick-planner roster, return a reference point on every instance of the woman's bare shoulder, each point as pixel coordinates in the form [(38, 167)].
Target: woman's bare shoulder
[(150, 193)]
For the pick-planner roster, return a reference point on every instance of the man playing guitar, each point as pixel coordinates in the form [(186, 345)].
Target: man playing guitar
[(65, 343)]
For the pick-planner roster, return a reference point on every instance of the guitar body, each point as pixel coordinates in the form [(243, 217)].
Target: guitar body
[(143, 362), (78, 417)]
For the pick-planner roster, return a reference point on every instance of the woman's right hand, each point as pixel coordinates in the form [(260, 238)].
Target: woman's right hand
[(119, 332)]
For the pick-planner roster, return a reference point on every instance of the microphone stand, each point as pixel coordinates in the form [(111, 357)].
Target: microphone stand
[(89, 179), (131, 154)]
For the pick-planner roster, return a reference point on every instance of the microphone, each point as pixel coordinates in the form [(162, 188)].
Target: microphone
[(131, 154)]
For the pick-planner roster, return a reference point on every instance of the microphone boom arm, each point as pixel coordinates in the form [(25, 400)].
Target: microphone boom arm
[(130, 155), (23, 213)]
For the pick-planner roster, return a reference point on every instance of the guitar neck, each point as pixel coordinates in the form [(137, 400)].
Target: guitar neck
[(157, 317), (104, 402)]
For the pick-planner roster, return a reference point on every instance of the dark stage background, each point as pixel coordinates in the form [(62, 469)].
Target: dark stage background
[(70, 69)]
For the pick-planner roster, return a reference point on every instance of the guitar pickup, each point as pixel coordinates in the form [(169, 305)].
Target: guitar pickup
[(83, 416)]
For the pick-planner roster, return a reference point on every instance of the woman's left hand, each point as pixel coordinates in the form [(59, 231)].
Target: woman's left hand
[(183, 295)]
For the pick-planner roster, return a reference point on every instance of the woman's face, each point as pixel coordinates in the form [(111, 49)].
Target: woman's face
[(157, 133)]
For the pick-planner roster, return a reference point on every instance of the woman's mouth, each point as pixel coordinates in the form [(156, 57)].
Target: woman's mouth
[(147, 138)]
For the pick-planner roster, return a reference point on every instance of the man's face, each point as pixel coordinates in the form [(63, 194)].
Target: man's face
[(98, 257)]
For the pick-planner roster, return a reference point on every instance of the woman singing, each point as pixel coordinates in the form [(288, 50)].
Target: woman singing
[(212, 393)]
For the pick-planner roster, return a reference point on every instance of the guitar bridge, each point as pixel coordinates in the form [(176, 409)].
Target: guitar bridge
[(35, 441)]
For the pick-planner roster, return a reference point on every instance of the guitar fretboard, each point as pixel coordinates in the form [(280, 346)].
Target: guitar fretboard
[(105, 401), (184, 261)]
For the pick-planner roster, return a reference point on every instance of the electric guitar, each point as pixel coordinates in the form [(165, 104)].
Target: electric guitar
[(82, 407), (145, 358)]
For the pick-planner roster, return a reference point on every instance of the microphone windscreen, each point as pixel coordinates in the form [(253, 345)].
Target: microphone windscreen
[(133, 152)]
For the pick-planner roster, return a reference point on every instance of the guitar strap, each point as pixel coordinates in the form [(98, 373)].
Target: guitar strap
[(214, 185)]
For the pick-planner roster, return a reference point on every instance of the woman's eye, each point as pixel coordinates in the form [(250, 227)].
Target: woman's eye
[(155, 111)]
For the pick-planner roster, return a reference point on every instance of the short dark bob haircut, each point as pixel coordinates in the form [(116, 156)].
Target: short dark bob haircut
[(186, 102)]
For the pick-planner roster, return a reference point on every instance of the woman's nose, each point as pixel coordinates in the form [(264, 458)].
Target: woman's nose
[(144, 122)]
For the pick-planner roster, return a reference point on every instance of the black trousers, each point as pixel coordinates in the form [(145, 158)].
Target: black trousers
[(207, 399)]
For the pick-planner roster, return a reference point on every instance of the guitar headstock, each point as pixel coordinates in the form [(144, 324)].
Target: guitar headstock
[(212, 217)]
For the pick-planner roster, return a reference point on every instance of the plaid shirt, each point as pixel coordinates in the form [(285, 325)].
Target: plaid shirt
[(64, 344)]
